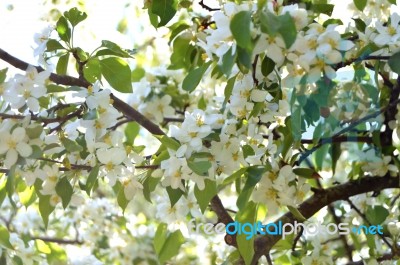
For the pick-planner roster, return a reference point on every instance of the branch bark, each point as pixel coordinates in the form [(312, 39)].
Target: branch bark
[(120, 105), (263, 244)]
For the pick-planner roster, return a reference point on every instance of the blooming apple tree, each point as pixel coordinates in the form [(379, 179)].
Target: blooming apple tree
[(239, 112)]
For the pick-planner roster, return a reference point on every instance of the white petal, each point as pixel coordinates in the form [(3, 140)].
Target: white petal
[(117, 155), (258, 95), (18, 134), (345, 45), (24, 149), (11, 158)]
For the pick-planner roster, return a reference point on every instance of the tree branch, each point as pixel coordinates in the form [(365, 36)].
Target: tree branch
[(263, 244), (58, 240), (206, 7), (72, 81), (223, 217)]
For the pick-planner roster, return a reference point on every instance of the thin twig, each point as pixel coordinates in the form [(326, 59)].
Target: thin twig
[(206, 7), (369, 223)]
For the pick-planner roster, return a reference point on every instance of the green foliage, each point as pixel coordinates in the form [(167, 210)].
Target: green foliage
[(75, 16), (394, 62), (5, 238), (64, 190), (267, 66), (194, 77), (200, 167), (166, 244), (111, 48), (62, 64), (117, 73), (376, 215), (164, 10), (283, 25), (92, 179), (63, 29), (92, 70), (246, 245), (360, 4), (240, 28), (254, 175), (204, 196), (45, 208)]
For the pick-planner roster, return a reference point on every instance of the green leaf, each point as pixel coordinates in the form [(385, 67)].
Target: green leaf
[(332, 21), (335, 152), (27, 197), (53, 45), (160, 237), (323, 8), (75, 16), (240, 28), (168, 142), (45, 208), (17, 260), (170, 246), (287, 29), (5, 238), (117, 73), (121, 199), (376, 215), (71, 146), (394, 62), (296, 213), (36, 152), (34, 132), (245, 241), (304, 172), (360, 24), (200, 167), (3, 75), (82, 55), (267, 66), (42, 246), (228, 61), (248, 151), (57, 255), (392, 2), (92, 70), (202, 103), (10, 185), (92, 178), (174, 195), (114, 49), (65, 191), (367, 50), (165, 10), (194, 77), (244, 60), (3, 190), (360, 4), (228, 88), (270, 23), (137, 74), (131, 131), (204, 196), (254, 175), (176, 29), (62, 64), (283, 24), (234, 176), (63, 29), (52, 88)]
